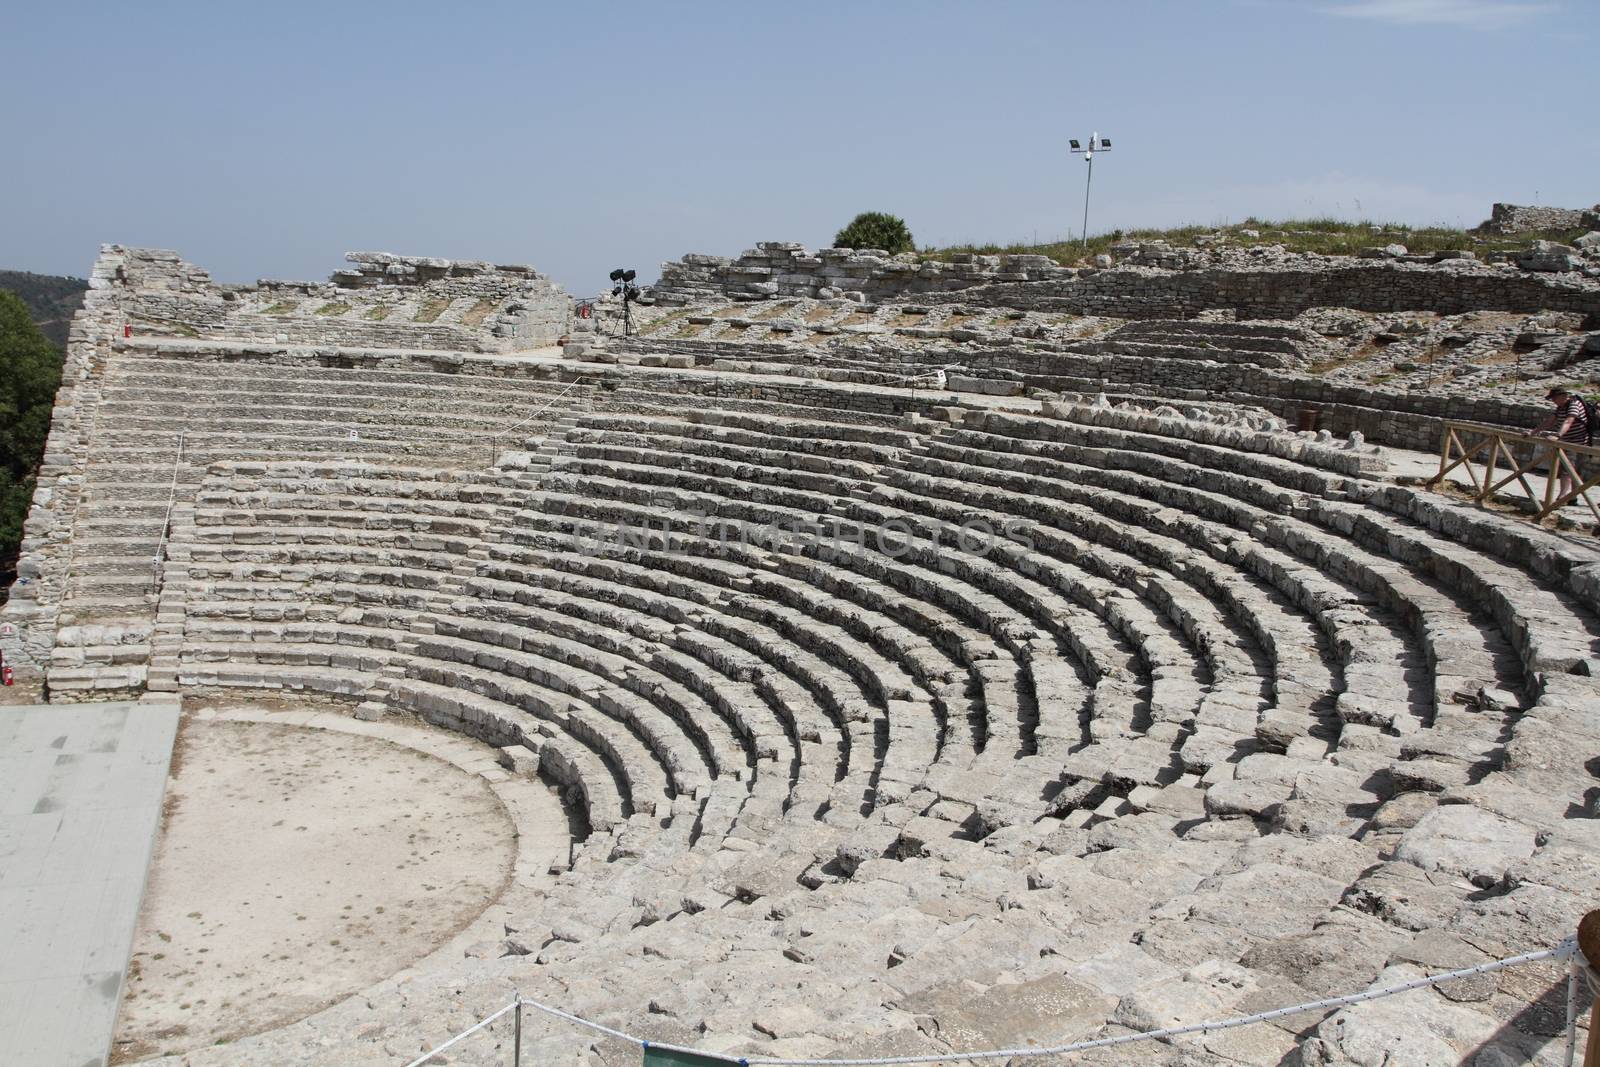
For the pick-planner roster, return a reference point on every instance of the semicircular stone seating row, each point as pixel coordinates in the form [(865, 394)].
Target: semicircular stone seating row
[(237, 410), (1021, 659)]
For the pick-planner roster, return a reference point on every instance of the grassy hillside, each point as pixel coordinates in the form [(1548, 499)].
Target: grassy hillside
[(1335, 237), (51, 300)]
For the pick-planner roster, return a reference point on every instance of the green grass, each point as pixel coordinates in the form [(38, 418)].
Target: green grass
[(182, 329), (377, 313), (657, 327), (282, 307), (337, 307), (430, 310), (479, 311), (1328, 236)]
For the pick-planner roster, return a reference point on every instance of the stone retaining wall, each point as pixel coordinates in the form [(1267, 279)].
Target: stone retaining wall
[(1523, 218), (781, 268), (384, 300), (156, 286), (253, 326), (35, 599), (1282, 292), (1278, 288)]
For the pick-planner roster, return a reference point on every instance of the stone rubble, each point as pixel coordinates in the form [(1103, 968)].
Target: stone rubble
[(1520, 218)]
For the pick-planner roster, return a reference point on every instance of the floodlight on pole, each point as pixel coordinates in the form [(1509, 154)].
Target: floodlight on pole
[(1096, 144), (624, 287)]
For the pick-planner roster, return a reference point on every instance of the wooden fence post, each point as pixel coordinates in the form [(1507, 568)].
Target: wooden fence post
[(1444, 451)]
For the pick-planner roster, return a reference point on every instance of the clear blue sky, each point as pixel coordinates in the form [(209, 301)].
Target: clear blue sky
[(265, 140)]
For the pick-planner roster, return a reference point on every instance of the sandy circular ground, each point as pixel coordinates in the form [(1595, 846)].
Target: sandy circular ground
[(296, 867)]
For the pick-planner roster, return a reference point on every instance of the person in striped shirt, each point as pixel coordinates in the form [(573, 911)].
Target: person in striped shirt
[(1568, 423)]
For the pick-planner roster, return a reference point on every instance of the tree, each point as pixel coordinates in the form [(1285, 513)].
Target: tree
[(30, 371), (875, 229)]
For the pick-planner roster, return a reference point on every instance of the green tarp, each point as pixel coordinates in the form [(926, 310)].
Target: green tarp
[(660, 1057)]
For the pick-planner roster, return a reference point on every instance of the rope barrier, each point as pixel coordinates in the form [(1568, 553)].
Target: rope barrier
[(577, 1021), (426, 1056), (1581, 967), (494, 443), (1565, 951), (1562, 951), (1574, 965), (157, 575)]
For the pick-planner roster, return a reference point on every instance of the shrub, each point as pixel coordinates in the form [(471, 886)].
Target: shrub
[(875, 229)]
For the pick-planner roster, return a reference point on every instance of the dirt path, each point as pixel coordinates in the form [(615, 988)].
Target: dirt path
[(296, 867)]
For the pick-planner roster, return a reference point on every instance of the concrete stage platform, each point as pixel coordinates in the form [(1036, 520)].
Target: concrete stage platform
[(81, 788)]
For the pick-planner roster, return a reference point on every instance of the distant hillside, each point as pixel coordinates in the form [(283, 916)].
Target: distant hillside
[(51, 300)]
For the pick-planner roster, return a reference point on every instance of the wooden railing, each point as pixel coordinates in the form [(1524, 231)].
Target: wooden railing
[(1493, 457)]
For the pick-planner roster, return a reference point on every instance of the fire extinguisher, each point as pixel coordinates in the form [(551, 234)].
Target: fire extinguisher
[(5, 676), (127, 329), (585, 310)]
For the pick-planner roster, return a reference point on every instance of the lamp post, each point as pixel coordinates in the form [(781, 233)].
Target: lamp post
[(1088, 156)]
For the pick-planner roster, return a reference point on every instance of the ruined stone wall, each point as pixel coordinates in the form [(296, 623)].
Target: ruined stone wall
[(1279, 288), (383, 300), (516, 305), (1284, 292), (1522, 218), (43, 562), (155, 287), (780, 268)]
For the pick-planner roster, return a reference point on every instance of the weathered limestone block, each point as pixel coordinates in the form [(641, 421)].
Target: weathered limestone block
[(1204, 992), (1256, 798), (1421, 1028), (521, 760), (1550, 256), (1050, 1010), (1467, 841)]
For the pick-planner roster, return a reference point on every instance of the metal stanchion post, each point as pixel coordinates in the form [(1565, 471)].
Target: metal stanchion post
[(516, 1045)]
